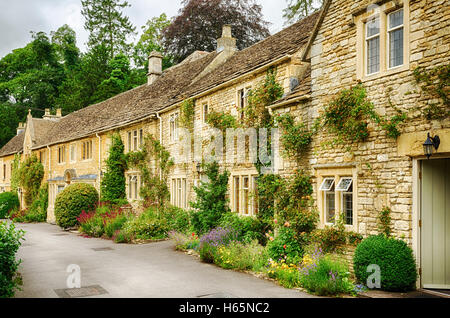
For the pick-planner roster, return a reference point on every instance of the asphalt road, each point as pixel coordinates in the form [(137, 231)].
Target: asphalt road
[(139, 271)]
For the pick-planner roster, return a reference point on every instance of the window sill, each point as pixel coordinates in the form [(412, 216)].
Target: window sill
[(389, 72)]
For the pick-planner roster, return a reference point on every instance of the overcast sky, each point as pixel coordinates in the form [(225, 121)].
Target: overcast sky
[(19, 17)]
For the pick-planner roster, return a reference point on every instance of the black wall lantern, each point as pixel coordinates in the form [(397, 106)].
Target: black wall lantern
[(432, 142)]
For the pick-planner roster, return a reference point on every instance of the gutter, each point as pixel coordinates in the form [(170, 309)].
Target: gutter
[(160, 138), (99, 162), (290, 101)]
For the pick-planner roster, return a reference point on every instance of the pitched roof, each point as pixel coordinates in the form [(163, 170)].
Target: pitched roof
[(285, 42), (303, 90), (14, 146), (173, 86)]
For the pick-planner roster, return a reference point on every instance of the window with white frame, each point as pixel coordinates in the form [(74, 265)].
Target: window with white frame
[(72, 153), (373, 45), (242, 101), (135, 139), (383, 40), (62, 154), (337, 199), (86, 150), (173, 127), (179, 193), (395, 38), (133, 187), (244, 195)]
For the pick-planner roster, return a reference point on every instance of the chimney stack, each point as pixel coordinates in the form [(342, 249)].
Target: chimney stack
[(59, 112), (226, 42), (154, 66), (21, 128)]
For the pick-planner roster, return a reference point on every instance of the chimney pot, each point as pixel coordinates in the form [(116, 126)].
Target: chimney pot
[(154, 66), (58, 112)]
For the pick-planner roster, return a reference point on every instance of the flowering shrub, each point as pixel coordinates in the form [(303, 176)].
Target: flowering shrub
[(286, 274), (102, 222), (210, 242), (285, 245), (324, 275), (185, 242), (241, 256)]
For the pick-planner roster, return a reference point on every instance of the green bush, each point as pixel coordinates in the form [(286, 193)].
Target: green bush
[(285, 246), (113, 182), (326, 276), (249, 228), (177, 219), (147, 226), (395, 258), (211, 201), (72, 201), (10, 241), (8, 202), (38, 210)]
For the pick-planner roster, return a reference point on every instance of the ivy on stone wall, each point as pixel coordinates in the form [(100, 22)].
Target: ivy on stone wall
[(114, 183), (435, 83), (348, 116), (31, 173), (187, 114), (154, 163)]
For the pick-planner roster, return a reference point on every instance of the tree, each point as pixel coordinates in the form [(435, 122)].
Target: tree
[(298, 9), (199, 25), (113, 183), (118, 81), (151, 40), (212, 202), (65, 41), (107, 25), (8, 123)]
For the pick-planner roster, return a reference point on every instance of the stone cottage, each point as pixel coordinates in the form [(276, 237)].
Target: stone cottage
[(375, 44)]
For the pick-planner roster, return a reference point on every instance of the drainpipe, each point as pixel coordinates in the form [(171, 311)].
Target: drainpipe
[(99, 162), (160, 138)]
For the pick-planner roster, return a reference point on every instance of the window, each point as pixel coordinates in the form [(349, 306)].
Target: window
[(72, 155), (178, 193), (395, 31), (328, 189), (135, 140), (62, 154), (60, 188), (174, 124), (4, 172), (42, 156), (383, 40), (373, 46), (244, 198), (242, 101), (336, 196), (133, 187), (86, 151), (205, 113), (346, 191)]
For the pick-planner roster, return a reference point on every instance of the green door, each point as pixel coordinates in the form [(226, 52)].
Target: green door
[(435, 231)]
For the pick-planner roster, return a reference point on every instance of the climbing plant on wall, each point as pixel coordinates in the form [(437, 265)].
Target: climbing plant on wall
[(31, 173), (154, 163), (187, 114), (349, 113), (435, 83), (113, 182)]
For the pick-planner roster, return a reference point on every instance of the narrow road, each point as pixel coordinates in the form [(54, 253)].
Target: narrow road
[(150, 271)]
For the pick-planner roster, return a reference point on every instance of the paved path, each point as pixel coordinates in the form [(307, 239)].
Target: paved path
[(150, 271)]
